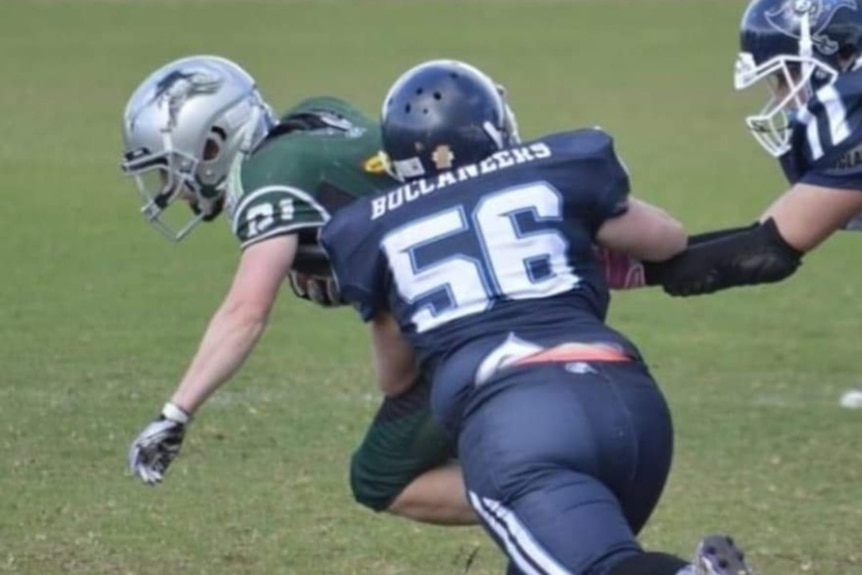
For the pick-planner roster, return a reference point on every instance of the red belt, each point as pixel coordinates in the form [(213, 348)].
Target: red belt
[(570, 352)]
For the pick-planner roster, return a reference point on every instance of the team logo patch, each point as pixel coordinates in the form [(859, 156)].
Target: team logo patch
[(376, 164), (786, 19), (442, 157)]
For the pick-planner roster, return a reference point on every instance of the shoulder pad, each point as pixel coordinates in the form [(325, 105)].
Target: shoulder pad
[(332, 111), (584, 143), (584, 166)]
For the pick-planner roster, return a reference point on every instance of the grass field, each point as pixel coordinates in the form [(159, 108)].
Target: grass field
[(99, 314)]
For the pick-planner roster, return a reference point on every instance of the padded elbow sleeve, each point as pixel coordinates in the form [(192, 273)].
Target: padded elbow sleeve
[(750, 256)]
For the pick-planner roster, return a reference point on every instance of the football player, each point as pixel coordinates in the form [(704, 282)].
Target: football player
[(479, 269), (808, 53), (199, 135)]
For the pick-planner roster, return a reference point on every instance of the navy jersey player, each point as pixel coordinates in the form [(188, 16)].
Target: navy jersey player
[(810, 55), (480, 267)]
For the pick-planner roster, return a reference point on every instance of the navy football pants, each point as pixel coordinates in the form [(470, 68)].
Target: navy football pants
[(564, 463)]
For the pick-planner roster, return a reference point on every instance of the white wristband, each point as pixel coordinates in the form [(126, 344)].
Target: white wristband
[(175, 413)]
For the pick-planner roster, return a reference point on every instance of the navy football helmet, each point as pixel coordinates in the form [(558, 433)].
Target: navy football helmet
[(799, 46), (443, 114)]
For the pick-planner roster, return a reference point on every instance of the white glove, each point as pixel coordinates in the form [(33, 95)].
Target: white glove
[(158, 444)]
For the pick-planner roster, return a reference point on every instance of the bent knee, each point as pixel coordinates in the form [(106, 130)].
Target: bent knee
[(372, 487)]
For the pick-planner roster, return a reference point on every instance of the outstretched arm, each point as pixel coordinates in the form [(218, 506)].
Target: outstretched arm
[(231, 335), (238, 323), (806, 215), (765, 252), (643, 232)]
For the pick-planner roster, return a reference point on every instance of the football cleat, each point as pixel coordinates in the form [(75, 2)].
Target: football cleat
[(719, 555), (852, 398)]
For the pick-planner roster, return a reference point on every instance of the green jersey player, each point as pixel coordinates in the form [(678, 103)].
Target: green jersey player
[(321, 155), (199, 135)]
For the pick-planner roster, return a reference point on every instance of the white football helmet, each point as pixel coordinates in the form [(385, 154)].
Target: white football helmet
[(183, 128)]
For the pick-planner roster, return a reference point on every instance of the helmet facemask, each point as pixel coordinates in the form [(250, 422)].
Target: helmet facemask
[(172, 175), (792, 79)]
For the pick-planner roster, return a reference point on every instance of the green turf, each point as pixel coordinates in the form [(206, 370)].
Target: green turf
[(99, 314)]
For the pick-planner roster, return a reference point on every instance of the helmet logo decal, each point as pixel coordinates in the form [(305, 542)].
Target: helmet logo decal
[(175, 88), (786, 17), (442, 157)]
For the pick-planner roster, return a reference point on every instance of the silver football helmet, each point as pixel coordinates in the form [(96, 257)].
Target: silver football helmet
[(183, 129)]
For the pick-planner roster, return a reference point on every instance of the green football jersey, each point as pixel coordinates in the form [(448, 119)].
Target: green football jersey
[(295, 180)]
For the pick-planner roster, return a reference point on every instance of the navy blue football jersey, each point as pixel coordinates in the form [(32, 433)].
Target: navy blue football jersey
[(826, 137), (487, 253)]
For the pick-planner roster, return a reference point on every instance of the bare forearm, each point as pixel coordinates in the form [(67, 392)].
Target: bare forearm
[(667, 237), (806, 215), (228, 341), (644, 232)]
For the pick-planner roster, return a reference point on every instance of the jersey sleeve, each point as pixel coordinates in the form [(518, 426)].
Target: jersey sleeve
[(593, 174), (355, 261), (830, 136), (845, 173), (612, 183), (274, 211)]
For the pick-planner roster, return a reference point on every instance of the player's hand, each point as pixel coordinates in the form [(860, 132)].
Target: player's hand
[(319, 289), (620, 271), (158, 444)]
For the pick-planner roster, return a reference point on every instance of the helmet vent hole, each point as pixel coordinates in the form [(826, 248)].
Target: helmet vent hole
[(407, 108), (419, 91), (425, 111), (438, 96), (213, 143), (211, 149)]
